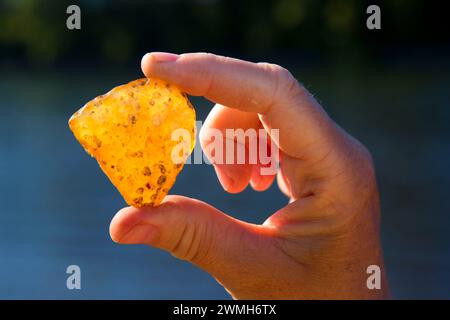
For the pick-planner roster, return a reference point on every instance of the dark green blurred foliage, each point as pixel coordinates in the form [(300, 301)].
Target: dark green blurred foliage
[(117, 31)]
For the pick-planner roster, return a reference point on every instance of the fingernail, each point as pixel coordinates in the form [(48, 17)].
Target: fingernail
[(255, 180), (164, 56), (225, 180)]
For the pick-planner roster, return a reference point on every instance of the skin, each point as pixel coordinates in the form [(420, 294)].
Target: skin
[(316, 247)]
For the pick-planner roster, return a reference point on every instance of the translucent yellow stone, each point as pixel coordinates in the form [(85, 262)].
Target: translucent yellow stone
[(130, 131)]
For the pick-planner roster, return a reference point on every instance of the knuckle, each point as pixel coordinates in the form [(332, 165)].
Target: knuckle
[(171, 207), (198, 249), (275, 69), (282, 75), (217, 59), (202, 55), (188, 245), (180, 238), (192, 243), (366, 163), (352, 186), (367, 157), (363, 174), (189, 236), (284, 82)]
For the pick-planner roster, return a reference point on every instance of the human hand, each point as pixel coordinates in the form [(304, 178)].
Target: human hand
[(317, 246)]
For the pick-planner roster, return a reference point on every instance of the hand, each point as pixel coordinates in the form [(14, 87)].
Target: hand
[(317, 246)]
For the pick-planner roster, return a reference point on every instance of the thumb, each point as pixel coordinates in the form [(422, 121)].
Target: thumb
[(190, 230)]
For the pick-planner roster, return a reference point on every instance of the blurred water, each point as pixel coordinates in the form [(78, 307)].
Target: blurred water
[(56, 205)]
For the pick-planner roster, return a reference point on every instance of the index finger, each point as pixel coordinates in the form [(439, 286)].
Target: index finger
[(266, 89)]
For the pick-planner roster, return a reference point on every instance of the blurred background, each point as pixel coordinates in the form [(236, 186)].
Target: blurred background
[(388, 87)]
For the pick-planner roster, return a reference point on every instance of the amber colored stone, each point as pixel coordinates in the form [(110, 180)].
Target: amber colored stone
[(141, 133)]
